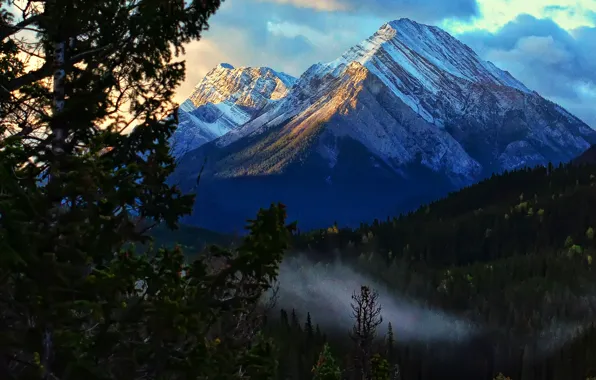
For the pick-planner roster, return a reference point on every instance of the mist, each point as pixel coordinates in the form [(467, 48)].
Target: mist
[(325, 290)]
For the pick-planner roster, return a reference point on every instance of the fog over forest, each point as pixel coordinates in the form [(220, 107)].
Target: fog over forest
[(325, 291)]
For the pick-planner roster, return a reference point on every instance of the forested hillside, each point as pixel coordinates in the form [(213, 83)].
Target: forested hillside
[(513, 254)]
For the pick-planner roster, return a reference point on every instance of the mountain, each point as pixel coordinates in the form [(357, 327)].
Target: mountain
[(587, 157), (402, 118), (224, 99)]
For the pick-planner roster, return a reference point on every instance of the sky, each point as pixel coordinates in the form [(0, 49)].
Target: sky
[(550, 45)]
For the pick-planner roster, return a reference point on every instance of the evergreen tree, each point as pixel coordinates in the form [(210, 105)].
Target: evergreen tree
[(379, 368), (76, 194), (284, 319), (308, 328), (294, 320), (260, 361), (390, 343), (326, 368)]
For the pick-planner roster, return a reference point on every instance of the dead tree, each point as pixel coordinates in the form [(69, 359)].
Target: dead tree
[(366, 311)]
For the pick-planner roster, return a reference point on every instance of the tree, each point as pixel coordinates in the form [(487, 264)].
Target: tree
[(326, 368), (308, 328), (391, 353), (260, 361), (76, 194), (380, 368), (390, 342), (367, 314)]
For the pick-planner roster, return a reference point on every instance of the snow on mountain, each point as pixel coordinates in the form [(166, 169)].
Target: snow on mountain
[(224, 99), (447, 85), (407, 115)]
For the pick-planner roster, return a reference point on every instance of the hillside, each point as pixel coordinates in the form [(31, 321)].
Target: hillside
[(587, 157), (400, 119), (513, 255)]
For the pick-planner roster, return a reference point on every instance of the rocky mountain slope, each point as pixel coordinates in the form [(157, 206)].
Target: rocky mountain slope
[(224, 99), (403, 117)]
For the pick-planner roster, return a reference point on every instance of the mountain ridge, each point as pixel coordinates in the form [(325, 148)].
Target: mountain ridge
[(224, 99), (412, 126)]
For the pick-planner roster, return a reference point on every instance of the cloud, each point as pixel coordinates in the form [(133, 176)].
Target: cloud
[(201, 56), (285, 38), (569, 14), (291, 35), (557, 63), (319, 5), (554, 55), (420, 10)]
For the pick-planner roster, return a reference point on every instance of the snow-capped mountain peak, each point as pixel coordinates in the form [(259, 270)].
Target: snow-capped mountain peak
[(247, 86), (422, 49), (404, 116), (442, 81), (224, 99)]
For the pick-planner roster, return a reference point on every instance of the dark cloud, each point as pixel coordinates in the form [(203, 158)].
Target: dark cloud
[(556, 63)]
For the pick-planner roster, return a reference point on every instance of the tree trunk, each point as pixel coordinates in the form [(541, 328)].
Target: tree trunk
[(57, 125)]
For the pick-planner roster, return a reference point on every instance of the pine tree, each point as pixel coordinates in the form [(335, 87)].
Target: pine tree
[(284, 319), (390, 343), (326, 368), (260, 362), (379, 368), (76, 194), (294, 320), (308, 328)]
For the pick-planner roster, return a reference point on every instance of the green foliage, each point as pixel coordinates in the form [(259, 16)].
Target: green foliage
[(568, 242), (326, 368), (260, 361), (575, 250), (79, 298), (379, 368), (191, 239)]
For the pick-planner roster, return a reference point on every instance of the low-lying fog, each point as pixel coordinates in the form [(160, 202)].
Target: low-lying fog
[(325, 291)]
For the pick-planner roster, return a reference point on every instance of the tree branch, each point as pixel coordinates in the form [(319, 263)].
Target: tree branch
[(9, 30), (47, 69)]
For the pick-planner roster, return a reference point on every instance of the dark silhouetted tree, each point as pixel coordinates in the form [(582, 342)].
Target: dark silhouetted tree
[(366, 312)]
